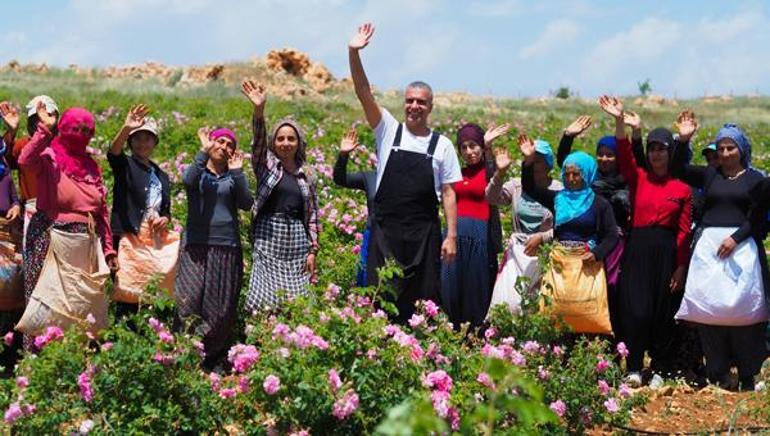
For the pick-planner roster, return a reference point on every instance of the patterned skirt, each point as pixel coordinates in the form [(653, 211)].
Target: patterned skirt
[(207, 286), (279, 259)]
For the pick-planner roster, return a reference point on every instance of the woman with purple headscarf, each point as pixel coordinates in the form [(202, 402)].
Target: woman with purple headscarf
[(211, 263), (725, 290), (466, 282)]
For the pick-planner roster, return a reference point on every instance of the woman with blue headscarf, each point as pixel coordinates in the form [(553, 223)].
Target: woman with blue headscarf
[(724, 293), (583, 220), (532, 223)]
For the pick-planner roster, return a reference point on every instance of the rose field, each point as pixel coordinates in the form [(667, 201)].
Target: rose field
[(332, 363)]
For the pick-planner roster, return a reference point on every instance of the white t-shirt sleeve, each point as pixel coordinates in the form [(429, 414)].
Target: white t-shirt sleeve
[(450, 166), (386, 129)]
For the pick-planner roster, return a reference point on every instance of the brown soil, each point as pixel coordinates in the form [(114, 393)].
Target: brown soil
[(683, 410)]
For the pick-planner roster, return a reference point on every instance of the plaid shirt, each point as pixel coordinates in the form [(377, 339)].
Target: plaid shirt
[(268, 171)]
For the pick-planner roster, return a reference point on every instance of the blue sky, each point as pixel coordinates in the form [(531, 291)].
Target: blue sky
[(496, 47)]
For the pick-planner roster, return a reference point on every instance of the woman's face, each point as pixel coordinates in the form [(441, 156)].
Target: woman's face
[(729, 153), (657, 155), (142, 144), (606, 160), (222, 149), (573, 178), (540, 170), (471, 152), (286, 143)]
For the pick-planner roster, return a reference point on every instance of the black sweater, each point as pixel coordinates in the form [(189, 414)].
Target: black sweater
[(606, 229)]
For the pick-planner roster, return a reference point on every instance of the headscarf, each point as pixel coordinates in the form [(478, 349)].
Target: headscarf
[(544, 149), (301, 146), (223, 131), (570, 204), (69, 146), (733, 132), (470, 132), (608, 141)]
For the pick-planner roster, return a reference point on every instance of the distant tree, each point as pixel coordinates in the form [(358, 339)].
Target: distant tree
[(644, 87), (563, 92)]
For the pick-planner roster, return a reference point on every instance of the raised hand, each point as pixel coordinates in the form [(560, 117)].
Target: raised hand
[(10, 115), (235, 160), (502, 160), (349, 141), (578, 126), (494, 132), (526, 145), (362, 37), (611, 105), (632, 119), (686, 124), (48, 120), (206, 142), (255, 92), (136, 117)]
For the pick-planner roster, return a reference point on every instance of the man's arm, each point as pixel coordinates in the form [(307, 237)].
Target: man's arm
[(357, 73)]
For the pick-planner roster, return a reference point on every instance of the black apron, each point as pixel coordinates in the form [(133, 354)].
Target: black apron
[(406, 227)]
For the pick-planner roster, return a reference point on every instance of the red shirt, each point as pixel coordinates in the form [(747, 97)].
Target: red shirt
[(471, 202), (657, 201)]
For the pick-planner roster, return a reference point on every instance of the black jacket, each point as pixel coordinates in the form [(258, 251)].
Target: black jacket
[(132, 179)]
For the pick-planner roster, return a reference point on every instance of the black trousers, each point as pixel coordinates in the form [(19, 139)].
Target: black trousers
[(743, 345)]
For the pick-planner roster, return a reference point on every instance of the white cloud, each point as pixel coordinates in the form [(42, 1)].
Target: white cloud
[(555, 34)]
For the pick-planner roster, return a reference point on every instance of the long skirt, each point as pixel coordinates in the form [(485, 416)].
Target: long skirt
[(207, 286), (646, 305), (279, 271), (465, 290)]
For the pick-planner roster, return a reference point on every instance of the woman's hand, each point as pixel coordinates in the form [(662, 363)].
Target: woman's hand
[(686, 125), (255, 92), (310, 266), (349, 141), (48, 120), (112, 262), (235, 160), (13, 213), (502, 160), (578, 126), (677, 279), (612, 105), (527, 146), (136, 117), (533, 244), (632, 119), (495, 132), (10, 115), (726, 248), (205, 139)]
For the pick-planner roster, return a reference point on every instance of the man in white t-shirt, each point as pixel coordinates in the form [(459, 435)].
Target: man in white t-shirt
[(416, 168)]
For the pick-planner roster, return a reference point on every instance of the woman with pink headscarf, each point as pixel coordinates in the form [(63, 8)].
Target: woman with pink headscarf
[(71, 191), (210, 271)]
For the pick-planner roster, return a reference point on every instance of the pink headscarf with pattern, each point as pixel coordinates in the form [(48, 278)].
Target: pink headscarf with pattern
[(76, 128)]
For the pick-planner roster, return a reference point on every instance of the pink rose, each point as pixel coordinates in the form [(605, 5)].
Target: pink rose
[(271, 384)]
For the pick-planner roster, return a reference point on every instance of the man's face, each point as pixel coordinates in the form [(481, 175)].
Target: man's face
[(417, 106)]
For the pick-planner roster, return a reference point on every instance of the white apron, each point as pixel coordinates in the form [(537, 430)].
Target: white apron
[(724, 292), (516, 264)]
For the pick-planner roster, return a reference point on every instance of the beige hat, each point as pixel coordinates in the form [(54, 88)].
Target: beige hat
[(50, 105), (150, 125)]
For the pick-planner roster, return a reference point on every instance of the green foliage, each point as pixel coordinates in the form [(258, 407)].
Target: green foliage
[(563, 93), (644, 87)]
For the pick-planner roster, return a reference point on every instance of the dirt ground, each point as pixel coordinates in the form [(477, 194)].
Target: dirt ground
[(684, 410)]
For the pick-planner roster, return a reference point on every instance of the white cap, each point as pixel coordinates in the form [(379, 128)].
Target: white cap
[(150, 125), (50, 105)]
